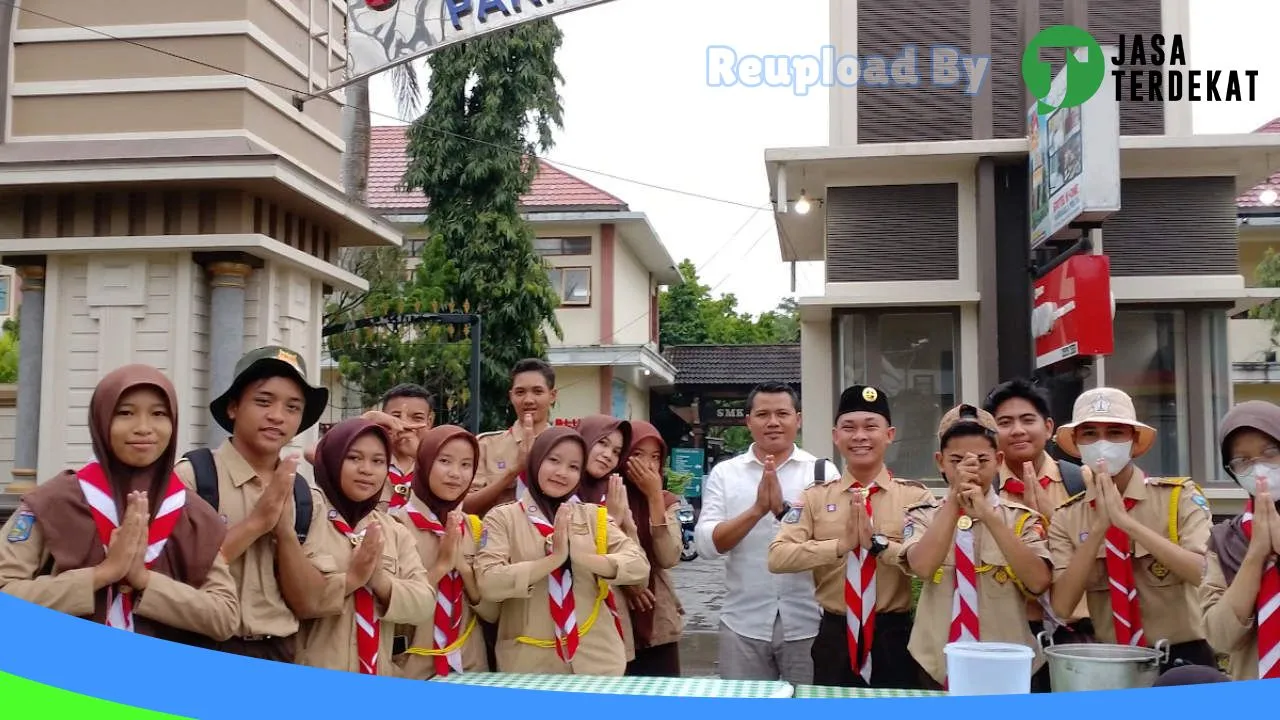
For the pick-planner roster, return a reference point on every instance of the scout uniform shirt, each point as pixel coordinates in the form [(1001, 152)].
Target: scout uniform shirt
[(1056, 492), (1169, 607), (668, 614), (474, 657), (1223, 629), (27, 573), (499, 452), (328, 638), (810, 540), (1002, 604), (509, 546), (263, 611)]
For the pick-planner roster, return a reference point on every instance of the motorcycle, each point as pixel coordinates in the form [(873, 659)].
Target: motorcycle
[(685, 515)]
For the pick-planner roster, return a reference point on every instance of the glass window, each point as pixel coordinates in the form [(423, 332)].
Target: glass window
[(1149, 363), (573, 284), (6, 283), (562, 246), (911, 356)]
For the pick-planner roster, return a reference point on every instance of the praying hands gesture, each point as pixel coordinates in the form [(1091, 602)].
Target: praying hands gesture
[(1108, 503), (1266, 525), (769, 493), (1035, 496), (366, 560), (857, 527), (560, 546), (449, 555), (617, 504), (128, 546)]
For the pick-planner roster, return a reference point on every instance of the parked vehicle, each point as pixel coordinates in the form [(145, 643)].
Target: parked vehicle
[(687, 520)]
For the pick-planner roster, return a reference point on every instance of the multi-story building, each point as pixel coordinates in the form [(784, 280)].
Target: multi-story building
[(607, 262), (920, 214), (1255, 373)]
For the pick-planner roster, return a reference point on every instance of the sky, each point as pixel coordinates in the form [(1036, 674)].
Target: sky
[(642, 122)]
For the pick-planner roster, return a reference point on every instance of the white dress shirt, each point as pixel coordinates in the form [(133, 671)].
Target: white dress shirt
[(756, 596)]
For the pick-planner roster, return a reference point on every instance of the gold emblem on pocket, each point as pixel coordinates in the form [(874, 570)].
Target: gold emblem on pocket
[(965, 522), (1002, 576), (1159, 570)]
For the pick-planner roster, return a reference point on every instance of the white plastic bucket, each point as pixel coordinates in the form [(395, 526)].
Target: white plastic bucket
[(988, 668)]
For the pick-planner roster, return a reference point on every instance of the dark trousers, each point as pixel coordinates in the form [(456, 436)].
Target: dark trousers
[(891, 663), (657, 661), (491, 644), (273, 648)]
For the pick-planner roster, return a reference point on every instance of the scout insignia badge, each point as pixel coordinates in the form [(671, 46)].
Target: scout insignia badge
[(1159, 570), (870, 394), (793, 515), (965, 522), (21, 530), (1002, 576)]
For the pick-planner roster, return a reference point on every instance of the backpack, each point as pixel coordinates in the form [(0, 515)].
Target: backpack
[(1072, 478), (206, 473)]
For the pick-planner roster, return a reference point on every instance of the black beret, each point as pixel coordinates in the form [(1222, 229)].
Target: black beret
[(863, 398)]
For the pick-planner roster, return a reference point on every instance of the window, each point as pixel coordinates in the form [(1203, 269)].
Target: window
[(1149, 363), (572, 283), (6, 285), (911, 356), (550, 246)]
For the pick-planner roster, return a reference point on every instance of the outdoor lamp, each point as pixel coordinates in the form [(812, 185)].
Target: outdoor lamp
[(802, 205), (1267, 197)]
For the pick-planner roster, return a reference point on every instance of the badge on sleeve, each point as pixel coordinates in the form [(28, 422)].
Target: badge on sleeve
[(484, 537), (831, 507), (21, 530), (793, 515), (502, 465), (1203, 502), (908, 530), (1084, 536)]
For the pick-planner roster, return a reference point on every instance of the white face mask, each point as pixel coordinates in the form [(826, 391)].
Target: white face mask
[(1116, 455), (1249, 478)]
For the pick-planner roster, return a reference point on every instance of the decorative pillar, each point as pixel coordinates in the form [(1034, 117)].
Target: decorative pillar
[(30, 361), (227, 281)]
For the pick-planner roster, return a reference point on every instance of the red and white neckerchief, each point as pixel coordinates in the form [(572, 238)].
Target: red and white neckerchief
[(559, 593), (449, 599), (1015, 485), (860, 598), (1267, 605), (965, 626), (401, 487), (1126, 614), (106, 516), (522, 487), (367, 622)]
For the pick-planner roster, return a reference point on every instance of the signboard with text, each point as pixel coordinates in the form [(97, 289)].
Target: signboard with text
[(690, 461), (722, 413), (1074, 161), (1074, 310)]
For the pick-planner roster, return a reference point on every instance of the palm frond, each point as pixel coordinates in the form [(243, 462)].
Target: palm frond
[(404, 81)]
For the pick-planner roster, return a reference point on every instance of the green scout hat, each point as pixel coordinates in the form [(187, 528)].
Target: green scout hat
[(272, 361)]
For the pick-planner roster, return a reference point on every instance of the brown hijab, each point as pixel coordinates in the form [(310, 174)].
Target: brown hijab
[(542, 447), (71, 536), (642, 621), (331, 452), (1227, 540), (428, 448), (593, 429)]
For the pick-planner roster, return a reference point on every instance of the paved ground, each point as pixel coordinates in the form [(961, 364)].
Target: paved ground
[(700, 585)]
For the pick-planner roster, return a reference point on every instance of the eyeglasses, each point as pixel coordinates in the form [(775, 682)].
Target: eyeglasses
[(1240, 466)]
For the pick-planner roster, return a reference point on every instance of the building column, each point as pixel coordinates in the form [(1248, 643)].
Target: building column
[(228, 278), (30, 361)]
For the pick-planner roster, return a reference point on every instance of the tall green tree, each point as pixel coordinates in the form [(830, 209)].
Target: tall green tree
[(493, 104), (689, 315), (1267, 274)]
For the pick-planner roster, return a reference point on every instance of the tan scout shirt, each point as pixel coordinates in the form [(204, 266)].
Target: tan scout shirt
[(474, 657), (499, 452), (210, 610), (1223, 629), (508, 550), (1057, 494), (811, 542), (1170, 607), (263, 610), (1002, 605), (668, 613), (329, 639)]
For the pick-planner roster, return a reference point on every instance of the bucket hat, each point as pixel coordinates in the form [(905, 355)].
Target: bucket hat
[(265, 362), (1109, 406)]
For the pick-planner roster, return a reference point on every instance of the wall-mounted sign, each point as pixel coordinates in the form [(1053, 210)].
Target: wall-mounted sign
[(1074, 160), (722, 413), (1074, 310), (692, 462), (567, 422)]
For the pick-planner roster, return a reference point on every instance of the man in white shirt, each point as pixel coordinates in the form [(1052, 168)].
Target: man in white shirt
[(768, 622)]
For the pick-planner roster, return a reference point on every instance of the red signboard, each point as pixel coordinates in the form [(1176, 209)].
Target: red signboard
[(1074, 310), (567, 422)]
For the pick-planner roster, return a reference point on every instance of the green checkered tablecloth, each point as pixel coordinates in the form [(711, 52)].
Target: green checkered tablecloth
[(819, 692), (669, 687)]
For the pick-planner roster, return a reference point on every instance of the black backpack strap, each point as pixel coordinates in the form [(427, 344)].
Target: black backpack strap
[(301, 507), (1072, 477), (206, 473), (820, 471)]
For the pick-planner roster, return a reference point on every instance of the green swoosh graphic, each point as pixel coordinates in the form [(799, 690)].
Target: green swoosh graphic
[(36, 700)]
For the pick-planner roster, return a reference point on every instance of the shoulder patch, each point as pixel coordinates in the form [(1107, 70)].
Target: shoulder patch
[(1071, 500), (912, 483), (484, 537), (1175, 482), (793, 515), (926, 505), (23, 524), (491, 433)]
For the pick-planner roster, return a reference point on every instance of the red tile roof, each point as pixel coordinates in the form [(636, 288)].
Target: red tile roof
[(1250, 198), (554, 190)]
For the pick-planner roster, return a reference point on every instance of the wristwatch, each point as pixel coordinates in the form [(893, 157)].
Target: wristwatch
[(879, 543), (786, 508)]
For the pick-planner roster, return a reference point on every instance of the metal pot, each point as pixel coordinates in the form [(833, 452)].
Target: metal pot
[(1100, 666)]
